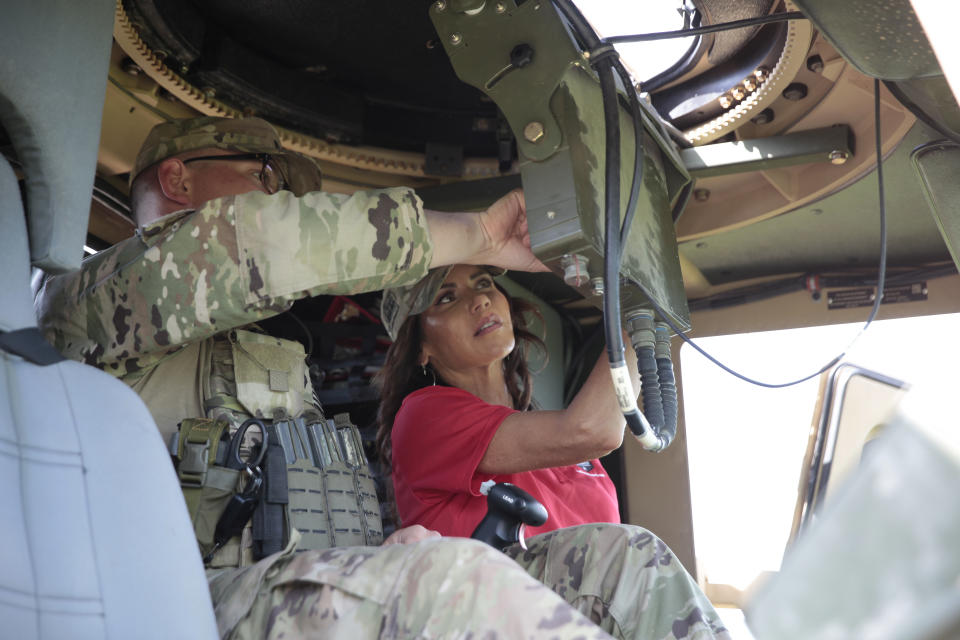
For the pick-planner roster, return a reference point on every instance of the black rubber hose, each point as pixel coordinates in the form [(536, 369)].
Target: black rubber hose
[(668, 394), (650, 388), (611, 262), (604, 63), (637, 156)]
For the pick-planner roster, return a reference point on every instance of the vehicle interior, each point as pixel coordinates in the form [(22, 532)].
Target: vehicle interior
[(750, 158)]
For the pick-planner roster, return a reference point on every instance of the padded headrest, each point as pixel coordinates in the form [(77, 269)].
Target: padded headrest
[(54, 56)]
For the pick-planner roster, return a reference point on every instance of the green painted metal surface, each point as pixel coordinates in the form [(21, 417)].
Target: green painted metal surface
[(815, 145), (563, 170)]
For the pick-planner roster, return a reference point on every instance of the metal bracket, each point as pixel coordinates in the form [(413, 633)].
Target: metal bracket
[(828, 144), (479, 43)]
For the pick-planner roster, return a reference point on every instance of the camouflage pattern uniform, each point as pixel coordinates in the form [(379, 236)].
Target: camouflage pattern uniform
[(195, 274), (144, 310), (622, 578)]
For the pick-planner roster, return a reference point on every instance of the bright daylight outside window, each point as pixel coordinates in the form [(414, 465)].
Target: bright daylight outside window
[(746, 443), (617, 17)]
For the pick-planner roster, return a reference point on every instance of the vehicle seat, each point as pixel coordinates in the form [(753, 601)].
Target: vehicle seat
[(96, 541)]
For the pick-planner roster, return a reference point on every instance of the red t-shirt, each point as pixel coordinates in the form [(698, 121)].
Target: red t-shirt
[(440, 435)]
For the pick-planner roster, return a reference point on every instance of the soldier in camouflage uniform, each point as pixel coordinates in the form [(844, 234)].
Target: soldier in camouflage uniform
[(222, 244)]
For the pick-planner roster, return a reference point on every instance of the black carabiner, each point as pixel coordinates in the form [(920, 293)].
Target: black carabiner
[(234, 461)]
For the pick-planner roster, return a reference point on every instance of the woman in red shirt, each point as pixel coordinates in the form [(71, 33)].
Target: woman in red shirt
[(455, 410)]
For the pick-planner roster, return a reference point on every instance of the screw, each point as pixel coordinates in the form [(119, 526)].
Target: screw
[(131, 67), (551, 215), (815, 64), (455, 39), (501, 7), (764, 117), (701, 195), (440, 5), (596, 284), (166, 95), (795, 91), (533, 132), (838, 157)]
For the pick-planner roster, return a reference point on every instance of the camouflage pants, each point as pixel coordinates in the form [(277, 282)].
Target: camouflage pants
[(623, 578), (458, 588)]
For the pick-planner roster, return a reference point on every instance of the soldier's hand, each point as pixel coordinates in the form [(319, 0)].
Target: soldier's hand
[(506, 235), (409, 535)]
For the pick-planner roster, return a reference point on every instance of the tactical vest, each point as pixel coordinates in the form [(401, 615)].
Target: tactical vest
[(315, 473)]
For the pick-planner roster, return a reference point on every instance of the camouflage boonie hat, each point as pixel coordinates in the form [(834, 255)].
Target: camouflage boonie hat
[(399, 303), (244, 135)]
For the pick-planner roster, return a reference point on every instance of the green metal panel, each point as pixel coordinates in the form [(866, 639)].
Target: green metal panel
[(548, 367), (938, 165), (562, 157)]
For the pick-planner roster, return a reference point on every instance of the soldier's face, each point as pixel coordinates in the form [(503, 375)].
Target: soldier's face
[(210, 179), (468, 325)]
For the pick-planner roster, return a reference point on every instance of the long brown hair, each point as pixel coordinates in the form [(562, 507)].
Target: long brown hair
[(401, 374)]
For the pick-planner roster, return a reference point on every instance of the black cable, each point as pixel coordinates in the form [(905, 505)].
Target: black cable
[(611, 263), (604, 59), (881, 277), (713, 28), (637, 155)]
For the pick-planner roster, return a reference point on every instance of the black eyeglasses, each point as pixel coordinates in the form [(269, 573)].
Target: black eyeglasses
[(271, 176)]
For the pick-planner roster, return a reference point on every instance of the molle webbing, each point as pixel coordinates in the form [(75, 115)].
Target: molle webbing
[(333, 499)]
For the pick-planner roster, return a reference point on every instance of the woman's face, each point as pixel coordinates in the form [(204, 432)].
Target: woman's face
[(468, 325)]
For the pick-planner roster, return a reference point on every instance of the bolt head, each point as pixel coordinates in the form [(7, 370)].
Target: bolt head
[(440, 5), (501, 7), (551, 215), (455, 39), (815, 64), (596, 285), (725, 101), (131, 67), (533, 132), (764, 117), (795, 91), (701, 195), (838, 157)]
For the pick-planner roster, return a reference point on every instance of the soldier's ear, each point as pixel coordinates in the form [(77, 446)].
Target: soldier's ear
[(174, 180)]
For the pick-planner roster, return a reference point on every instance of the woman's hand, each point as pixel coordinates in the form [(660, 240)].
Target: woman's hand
[(409, 535), (591, 427)]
